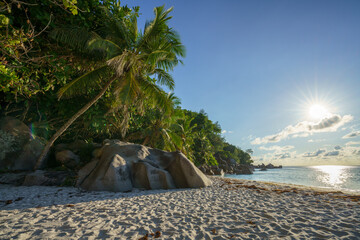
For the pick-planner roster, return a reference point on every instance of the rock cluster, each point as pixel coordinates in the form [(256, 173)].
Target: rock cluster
[(116, 166), (74, 154), (19, 148), (264, 167), (229, 166), (121, 166)]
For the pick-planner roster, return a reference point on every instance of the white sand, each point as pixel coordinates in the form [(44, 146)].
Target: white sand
[(222, 211)]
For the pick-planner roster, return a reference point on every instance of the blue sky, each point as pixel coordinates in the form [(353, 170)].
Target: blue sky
[(258, 66)]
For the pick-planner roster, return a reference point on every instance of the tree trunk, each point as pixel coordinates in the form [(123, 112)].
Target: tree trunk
[(51, 141), (146, 140)]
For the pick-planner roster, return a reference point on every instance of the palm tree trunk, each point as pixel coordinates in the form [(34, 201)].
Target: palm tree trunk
[(51, 141)]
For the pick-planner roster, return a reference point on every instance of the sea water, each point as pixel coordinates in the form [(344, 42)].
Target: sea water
[(346, 178)]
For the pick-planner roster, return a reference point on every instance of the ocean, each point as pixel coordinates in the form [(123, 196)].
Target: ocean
[(343, 178)]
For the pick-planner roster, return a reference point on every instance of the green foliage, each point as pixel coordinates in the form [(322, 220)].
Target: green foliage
[(4, 21), (232, 152), (71, 48), (71, 5)]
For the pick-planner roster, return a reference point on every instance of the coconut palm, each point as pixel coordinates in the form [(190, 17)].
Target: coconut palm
[(133, 62), (186, 132), (158, 131)]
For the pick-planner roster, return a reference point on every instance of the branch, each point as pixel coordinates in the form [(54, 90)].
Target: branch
[(47, 25)]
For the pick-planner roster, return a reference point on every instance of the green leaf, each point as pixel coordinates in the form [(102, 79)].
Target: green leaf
[(4, 21)]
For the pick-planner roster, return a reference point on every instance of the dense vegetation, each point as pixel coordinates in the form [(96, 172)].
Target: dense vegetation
[(107, 73)]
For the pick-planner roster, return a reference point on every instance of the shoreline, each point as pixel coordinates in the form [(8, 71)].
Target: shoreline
[(305, 187), (341, 178), (296, 187), (230, 209)]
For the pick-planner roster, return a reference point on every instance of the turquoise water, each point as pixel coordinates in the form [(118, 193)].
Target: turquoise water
[(346, 178)]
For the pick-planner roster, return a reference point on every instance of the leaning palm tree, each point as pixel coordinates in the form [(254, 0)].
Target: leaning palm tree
[(133, 62)]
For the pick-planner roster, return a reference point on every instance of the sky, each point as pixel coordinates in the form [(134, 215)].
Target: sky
[(280, 77)]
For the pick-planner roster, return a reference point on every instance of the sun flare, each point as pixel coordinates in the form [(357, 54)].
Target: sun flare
[(318, 112)]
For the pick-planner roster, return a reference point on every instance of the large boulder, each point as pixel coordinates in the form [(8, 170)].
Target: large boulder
[(110, 173), (19, 148), (12, 178), (185, 173), (120, 166), (75, 154), (150, 177), (85, 171), (67, 158)]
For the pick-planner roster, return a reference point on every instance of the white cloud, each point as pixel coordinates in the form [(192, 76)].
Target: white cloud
[(300, 135), (316, 140), (314, 154), (356, 152), (340, 153), (276, 158), (352, 134), (352, 143), (303, 129), (283, 155), (226, 131), (277, 148), (332, 153), (348, 154), (350, 150)]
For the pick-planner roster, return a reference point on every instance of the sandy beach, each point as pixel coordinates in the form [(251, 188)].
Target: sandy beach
[(230, 209)]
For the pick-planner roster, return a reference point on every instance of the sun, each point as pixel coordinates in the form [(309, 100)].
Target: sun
[(318, 112)]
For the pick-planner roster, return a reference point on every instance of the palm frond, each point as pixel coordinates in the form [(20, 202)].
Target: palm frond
[(156, 26), (176, 102), (133, 27), (118, 31), (156, 56), (75, 37), (127, 89), (168, 140), (107, 47), (176, 139), (82, 84), (164, 78), (122, 63), (156, 96)]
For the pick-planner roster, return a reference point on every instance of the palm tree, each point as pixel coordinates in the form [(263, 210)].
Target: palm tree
[(203, 149), (158, 131), (130, 60), (186, 132)]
